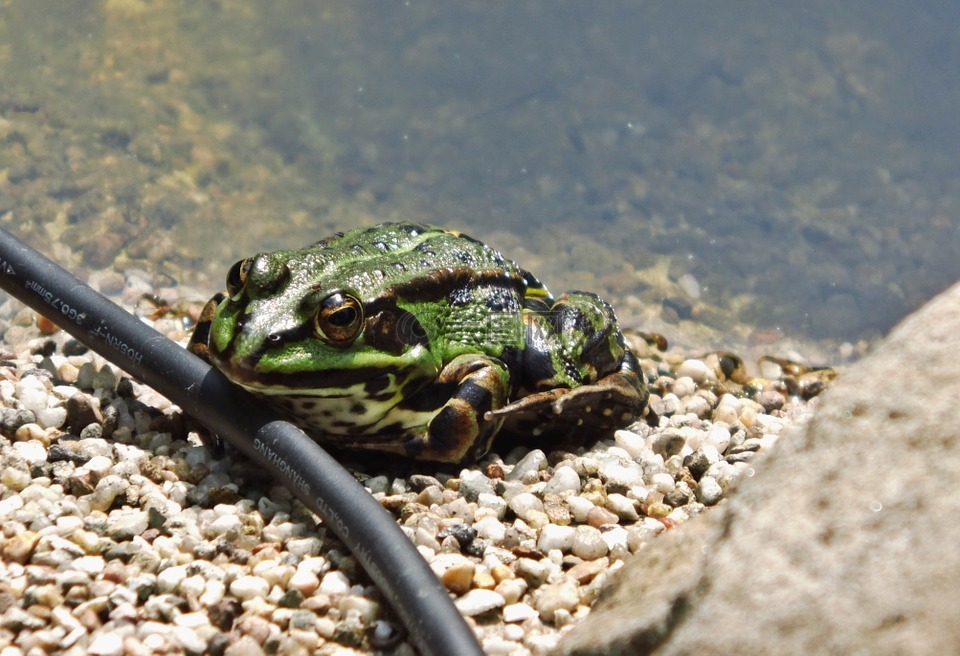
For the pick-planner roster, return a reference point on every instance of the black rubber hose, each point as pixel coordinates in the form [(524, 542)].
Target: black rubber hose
[(326, 488)]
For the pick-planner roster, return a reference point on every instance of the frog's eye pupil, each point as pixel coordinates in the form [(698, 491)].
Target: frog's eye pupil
[(343, 317), (339, 319)]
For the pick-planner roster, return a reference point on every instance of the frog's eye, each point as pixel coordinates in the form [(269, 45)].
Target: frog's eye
[(237, 276), (339, 319)]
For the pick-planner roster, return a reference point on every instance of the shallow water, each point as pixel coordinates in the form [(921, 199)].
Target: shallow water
[(725, 174)]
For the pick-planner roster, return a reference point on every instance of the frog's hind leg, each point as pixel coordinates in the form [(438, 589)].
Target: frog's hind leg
[(463, 428)]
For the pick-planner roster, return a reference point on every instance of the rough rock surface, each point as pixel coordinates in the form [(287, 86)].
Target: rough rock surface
[(843, 542)]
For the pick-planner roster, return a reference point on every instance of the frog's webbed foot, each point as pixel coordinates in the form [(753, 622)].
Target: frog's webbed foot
[(198, 344), (463, 428), (612, 402)]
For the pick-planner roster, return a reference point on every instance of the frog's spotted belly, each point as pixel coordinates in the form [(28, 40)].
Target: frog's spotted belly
[(348, 411)]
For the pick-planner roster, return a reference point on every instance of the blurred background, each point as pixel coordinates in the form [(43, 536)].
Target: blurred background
[(757, 176)]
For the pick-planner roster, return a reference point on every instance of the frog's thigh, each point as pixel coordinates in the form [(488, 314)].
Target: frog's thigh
[(459, 431)]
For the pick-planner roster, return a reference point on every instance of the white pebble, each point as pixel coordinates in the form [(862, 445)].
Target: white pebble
[(562, 596), (490, 528), (192, 587), (492, 502), (512, 590), (630, 442), (565, 479), (52, 417), (698, 406), (624, 507), (684, 386), (615, 537), (12, 503), (33, 400), (365, 609), (553, 536), (169, 580), (522, 504), (98, 466), (107, 644), (188, 639), (689, 284), (623, 474), (580, 508), (588, 543), (91, 565), (519, 613), (695, 369), (334, 583), (663, 482), (710, 452), (249, 587), (718, 437), (213, 592), (709, 491), (304, 581), (478, 601), (31, 451), (222, 526)]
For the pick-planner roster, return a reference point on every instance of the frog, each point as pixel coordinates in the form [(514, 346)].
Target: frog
[(418, 341)]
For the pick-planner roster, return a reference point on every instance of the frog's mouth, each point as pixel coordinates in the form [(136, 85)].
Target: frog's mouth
[(250, 373)]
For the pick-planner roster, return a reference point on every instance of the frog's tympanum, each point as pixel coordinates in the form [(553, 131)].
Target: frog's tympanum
[(419, 341)]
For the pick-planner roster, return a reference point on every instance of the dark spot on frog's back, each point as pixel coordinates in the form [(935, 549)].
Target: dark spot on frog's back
[(500, 299), (358, 409), (460, 296)]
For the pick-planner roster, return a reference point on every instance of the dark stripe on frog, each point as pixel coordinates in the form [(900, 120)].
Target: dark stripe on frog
[(439, 283), (372, 377), (430, 398)]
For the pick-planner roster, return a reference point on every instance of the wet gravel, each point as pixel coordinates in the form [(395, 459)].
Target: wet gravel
[(123, 534)]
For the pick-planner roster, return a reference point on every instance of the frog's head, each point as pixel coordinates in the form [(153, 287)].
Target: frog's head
[(293, 320)]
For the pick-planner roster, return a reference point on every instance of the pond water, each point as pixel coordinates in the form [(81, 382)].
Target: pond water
[(731, 175)]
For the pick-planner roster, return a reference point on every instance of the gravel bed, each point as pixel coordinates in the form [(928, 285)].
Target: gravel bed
[(123, 534)]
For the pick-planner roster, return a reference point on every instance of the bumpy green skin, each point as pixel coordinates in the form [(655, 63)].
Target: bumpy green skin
[(420, 341)]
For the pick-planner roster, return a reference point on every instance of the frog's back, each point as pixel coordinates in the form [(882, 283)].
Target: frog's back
[(410, 258)]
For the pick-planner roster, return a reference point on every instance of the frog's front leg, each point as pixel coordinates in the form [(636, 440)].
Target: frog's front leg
[(462, 430)]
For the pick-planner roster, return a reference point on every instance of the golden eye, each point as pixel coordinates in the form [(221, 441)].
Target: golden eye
[(237, 276), (339, 319)]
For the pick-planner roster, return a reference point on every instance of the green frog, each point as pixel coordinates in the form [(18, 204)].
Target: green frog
[(420, 341)]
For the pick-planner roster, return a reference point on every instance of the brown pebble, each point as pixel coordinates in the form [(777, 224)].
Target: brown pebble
[(45, 326), (494, 470), (82, 411), (658, 510), (598, 516), (557, 509), (20, 547), (459, 578), (483, 579), (40, 611), (586, 571), (771, 400)]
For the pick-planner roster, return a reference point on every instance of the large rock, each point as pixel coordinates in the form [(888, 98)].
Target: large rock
[(846, 541)]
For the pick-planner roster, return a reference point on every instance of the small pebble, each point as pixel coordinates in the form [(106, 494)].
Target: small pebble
[(249, 587), (477, 602), (556, 537), (562, 596), (588, 543), (564, 479), (709, 491), (519, 613)]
